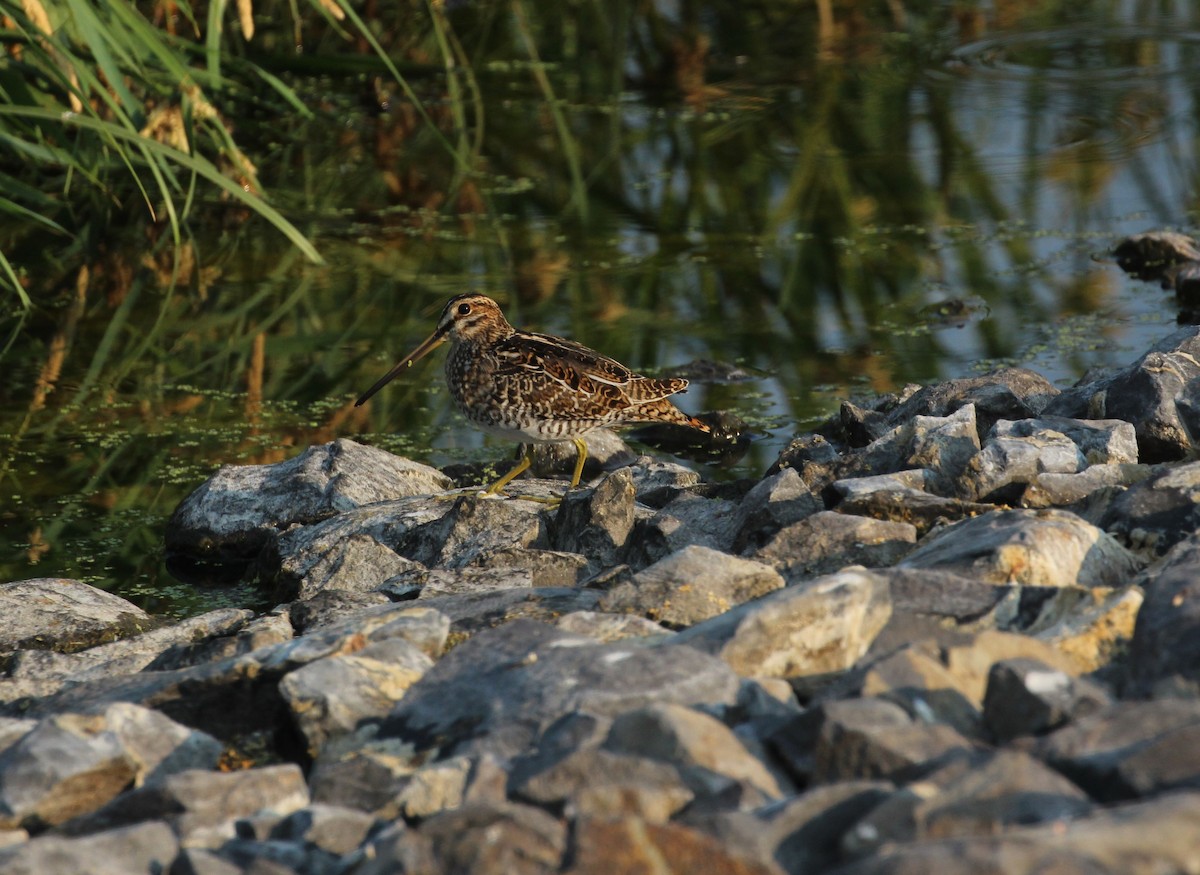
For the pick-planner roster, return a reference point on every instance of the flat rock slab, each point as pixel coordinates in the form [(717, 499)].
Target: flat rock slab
[(241, 508), (55, 613), (691, 585), (202, 806), (601, 783), (986, 794), (1044, 548), (827, 542), (604, 847), (706, 752), (146, 847), (819, 627), (1158, 835), (502, 688), (1130, 749), (497, 837)]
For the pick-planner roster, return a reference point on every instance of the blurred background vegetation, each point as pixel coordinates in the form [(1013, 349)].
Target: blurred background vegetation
[(221, 221)]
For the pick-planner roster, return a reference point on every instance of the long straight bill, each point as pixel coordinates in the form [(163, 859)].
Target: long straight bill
[(432, 342)]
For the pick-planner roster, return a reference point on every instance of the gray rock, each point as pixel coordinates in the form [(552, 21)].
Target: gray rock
[(71, 764), (945, 445), (686, 520), (332, 828), (67, 765), (776, 501), (812, 457), (472, 612), (362, 773), (609, 627), (826, 542), (545, 567), (1158, 512), (971, 661), (333, 695), (1145, 393), (1100, 441), (942, 445), (273, 856), (656, 481), (815, 628), (1028, 697), (984, 795), (438, 582), (1155, 254), (271, 628), (329, 607), (1008, 459), (238, 695), (691, 585), (241, 508), (452, 783), (592, 782), (1010, 393), (942, 594), (498, 690), (707, 753), (147, 847), (916, 679), (596, 522), (513, 839), (1090, 491), (801, 833), (201, 861), (603, 846), (55, 613), (902, 498), (201, 806), (1045, 548), (1166, 639), (871, 738), (474, 527), (1143, 839), (1130, 749), (126, 655), (353, 551), (1022, 452)]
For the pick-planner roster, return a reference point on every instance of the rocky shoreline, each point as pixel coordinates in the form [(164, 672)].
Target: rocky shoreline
[(955, 630)]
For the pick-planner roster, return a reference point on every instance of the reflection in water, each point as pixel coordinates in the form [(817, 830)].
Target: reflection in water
[(832, 207)]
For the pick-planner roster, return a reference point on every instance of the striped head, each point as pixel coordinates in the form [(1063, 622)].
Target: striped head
[(468, 319), (472, 318)]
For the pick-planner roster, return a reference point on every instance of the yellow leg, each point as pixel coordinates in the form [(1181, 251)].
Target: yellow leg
[(520, 468), (581, 449)]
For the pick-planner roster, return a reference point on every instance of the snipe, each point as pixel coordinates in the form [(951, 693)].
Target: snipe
[(536, 388)]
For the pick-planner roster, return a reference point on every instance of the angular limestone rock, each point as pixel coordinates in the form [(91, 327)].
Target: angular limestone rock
[(815, 628), (691, 585), (241, 508)]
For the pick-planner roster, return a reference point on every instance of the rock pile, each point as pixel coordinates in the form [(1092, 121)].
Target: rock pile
[(951, 632)]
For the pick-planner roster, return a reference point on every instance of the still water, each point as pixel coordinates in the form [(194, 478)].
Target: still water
[(837, 208)]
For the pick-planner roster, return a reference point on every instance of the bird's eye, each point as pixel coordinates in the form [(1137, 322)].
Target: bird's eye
[(464, 309)]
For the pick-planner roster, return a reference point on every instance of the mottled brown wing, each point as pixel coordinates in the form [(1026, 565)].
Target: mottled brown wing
[(526, 350), (577, 366)]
